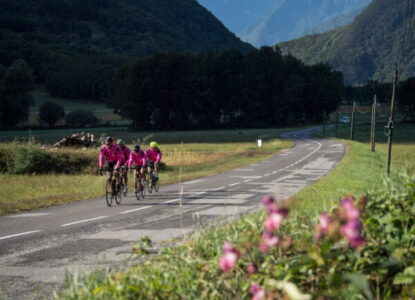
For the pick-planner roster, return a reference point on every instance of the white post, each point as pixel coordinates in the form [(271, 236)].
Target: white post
[(259, 143)]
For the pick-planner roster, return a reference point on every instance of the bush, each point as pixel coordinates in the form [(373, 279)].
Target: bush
[(26, 158), (30, 157), (51, 113), (81, 118)]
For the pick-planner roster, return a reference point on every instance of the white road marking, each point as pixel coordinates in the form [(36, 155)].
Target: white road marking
[(174, 200), (27, 215), (193, 181), (18, 234), (137, 209), (83, 221), (248, 180), (233, 184), (217, 189)]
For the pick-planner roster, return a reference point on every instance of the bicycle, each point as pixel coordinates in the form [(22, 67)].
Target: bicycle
[(123, 182), (153, 180), (113, 188), (138, 185)]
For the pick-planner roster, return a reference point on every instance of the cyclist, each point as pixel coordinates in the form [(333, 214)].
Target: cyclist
[(111, 154), (137, 157), (125, 155), (154, 156)]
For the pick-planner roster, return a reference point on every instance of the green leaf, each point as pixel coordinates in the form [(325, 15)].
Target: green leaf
[(359, 281)]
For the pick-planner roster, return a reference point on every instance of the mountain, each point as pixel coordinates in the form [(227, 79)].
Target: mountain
[(63, 36), (368, 48), (238, 14), (290, 19)]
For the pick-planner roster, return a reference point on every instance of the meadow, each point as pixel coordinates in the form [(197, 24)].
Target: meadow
[(57, 176), (297, 263)]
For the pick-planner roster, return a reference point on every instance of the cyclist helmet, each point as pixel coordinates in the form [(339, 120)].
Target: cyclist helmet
[(120, 142), (154, 145), (108, 140), (137, 148)]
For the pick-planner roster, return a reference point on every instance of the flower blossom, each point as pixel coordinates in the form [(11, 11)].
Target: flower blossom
[(352, 231), (257, 292), (252, 268), (351, 210), (269, 240), (229, 258), (323, 227)]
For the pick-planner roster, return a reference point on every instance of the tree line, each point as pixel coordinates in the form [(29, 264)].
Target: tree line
[(224, 89)]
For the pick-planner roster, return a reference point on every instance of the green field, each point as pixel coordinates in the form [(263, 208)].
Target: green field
[(51, 136), (40, 97), (188, 155)]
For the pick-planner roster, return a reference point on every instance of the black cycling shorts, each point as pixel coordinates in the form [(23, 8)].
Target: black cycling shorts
[(111, 166)]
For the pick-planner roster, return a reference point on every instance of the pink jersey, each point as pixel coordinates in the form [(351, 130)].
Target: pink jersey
[(154, 155), (110, 153), (125, 154), (139, 159)]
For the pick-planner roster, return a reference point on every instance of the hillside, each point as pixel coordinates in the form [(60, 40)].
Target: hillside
[(368, 48), (63, 40), (290, 19), (236, 15)]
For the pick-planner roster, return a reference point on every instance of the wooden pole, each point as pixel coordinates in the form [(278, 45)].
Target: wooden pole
[(337, 122), (390, 123), (352, 122), (373, 127)]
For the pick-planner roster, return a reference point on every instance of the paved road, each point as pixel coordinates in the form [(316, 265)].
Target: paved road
[(38, 247)]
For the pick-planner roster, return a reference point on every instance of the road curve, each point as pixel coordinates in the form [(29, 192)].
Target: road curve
[(37, 248)]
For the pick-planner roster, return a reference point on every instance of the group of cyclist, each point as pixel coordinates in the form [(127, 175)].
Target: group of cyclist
[(119, 156)]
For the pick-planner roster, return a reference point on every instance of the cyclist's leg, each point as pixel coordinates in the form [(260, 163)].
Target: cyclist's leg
[(141, 176), (135, 180)]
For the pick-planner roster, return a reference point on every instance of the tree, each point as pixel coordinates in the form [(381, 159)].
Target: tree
[(406, 98), (81, 117), (51, 113), (15, 98)]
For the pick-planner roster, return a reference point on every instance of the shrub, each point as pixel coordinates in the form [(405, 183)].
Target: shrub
[(51, 113), (81, 118), (26, 158)]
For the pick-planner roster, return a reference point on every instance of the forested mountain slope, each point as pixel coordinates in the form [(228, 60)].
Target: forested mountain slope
[(65, 40), (368, 48), (290, 19)]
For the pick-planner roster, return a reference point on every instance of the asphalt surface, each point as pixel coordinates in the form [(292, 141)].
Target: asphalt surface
[(38, 248)]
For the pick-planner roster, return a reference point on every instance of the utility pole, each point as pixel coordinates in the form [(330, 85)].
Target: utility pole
[(337, 122), (373, 127), (352, 122), (389, 126)]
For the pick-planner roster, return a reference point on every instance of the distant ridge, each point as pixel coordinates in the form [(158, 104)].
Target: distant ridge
[(368, 48)]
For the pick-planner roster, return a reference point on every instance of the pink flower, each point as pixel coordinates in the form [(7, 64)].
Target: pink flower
[(352, 231), (257, 292), (229, 258), (323, 228), (263, 247), (269, 240), (227, 261), (324, 222), (267, 200), (227, 247), (252, 268), (274, 220), (351, 211)]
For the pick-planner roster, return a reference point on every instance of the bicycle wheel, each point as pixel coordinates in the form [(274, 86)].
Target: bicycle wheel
[(143, 191), (156, 185), (108, 192), (117, 191), (137, 189)]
